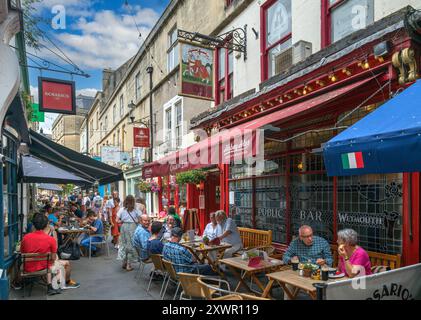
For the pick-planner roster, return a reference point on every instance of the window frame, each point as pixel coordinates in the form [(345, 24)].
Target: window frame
[(115, 114), (172, 47), (121, 99), (138, 86), (171, 105), (264, 49), (326, 19), (226, 89)]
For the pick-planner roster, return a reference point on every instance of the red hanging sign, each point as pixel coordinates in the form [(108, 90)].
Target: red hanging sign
[(57, 96), (141, 137)]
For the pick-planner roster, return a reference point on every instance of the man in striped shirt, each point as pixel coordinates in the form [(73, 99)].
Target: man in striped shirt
[(309, 248)]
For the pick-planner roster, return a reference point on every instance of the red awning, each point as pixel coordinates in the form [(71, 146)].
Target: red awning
[(240, 142)]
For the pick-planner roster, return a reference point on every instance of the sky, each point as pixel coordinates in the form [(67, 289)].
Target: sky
[(93, 34)]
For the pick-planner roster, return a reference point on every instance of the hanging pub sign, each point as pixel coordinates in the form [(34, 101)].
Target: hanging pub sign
[(57, 96), (141, 137), (196, 71)]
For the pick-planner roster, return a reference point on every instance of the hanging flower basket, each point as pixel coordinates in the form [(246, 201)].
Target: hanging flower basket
[(144, 187), (154, 187), (193, 177)]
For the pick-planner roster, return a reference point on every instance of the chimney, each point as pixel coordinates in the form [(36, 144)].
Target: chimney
[(107, 74)]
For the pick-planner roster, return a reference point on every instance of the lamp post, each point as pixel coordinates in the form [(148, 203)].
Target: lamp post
[(147, 124)]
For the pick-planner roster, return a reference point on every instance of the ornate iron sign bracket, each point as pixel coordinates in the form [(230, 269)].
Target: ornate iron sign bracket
[(235, 40)]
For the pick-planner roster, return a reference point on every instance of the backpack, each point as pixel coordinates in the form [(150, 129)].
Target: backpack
[(73, 249), (98, 203)]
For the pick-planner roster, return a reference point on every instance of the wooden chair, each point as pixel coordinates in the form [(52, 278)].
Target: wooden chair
[(172, 275), (35, 257), (158, 266), (253, 238)]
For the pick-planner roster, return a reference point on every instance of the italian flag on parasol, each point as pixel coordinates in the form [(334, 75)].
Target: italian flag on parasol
[(353, 160)]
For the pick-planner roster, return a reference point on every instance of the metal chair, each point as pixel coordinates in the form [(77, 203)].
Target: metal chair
[(172, 275), (210, 290), (104, 236), (142, 262), (158, 266), (35, 257), (192, 288)]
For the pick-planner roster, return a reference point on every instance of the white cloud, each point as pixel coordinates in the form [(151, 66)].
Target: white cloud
[(74, 8), (108, 40), (90, 92)]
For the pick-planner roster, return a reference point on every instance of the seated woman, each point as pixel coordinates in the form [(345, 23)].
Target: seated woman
[(354, 260)]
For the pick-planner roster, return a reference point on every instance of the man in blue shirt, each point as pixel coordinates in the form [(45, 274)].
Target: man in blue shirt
[(309, 248), (97, 232), (177, 254), (141, 237)]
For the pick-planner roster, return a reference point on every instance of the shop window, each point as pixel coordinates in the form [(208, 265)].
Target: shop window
[(225, 79), (343, 17), (241, 202), (312, 204), (172, 53), (9, 213), (271, 207), (277, 37)]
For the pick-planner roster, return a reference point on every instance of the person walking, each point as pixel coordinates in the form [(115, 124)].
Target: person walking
[(129, 218), (115, 228)]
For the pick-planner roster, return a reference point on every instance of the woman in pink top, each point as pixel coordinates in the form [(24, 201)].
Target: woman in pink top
[(354, 260)]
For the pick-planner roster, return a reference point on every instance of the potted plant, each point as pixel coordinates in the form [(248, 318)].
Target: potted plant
[(144, 187), (308, 270), (192, 176)]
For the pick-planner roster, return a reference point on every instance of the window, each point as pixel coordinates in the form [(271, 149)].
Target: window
[(137, 86), (114, 139), (225, 71), (277, 39), (91, 128), (173, 123), (178, 125), (106, 125), (121, 106), (118, 138), (114, 114), (340, 18), (172, 49), (168, 124), (101, 129)]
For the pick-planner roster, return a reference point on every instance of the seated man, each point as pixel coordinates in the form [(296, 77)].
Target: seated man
[(172, 212), (309, 248), (97, 228), (141, 237), (76, 211), (155, 245), (165, 233), (39, 242), (228, 232), (174, 252)]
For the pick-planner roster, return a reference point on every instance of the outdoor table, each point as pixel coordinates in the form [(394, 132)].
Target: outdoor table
[(238, 264), (296, 282), (71, 234), (204, 255)]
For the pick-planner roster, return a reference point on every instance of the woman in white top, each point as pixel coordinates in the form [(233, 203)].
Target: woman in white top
[(129, 218), (211, 230)]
